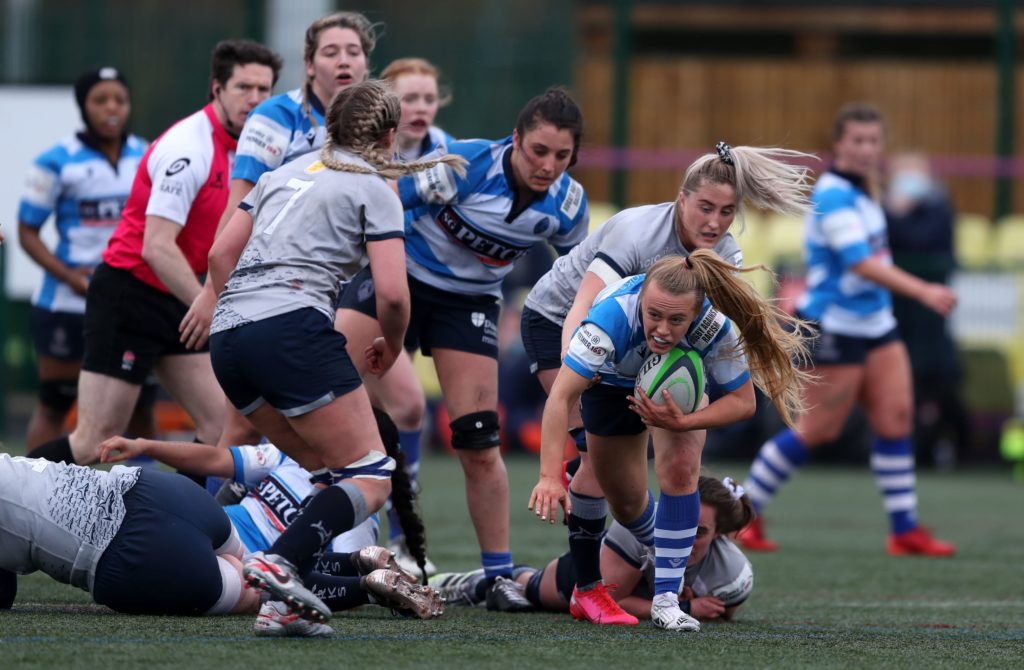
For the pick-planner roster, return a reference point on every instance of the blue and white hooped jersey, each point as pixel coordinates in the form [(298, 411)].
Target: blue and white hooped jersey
[(435, 141), (278, 486), (610, 341), (459, 236), (276, 132), (77, 182), (845, 227)]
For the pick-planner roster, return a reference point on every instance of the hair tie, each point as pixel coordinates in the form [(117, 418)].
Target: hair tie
[(724, 152), (735, 490), (687, 263)]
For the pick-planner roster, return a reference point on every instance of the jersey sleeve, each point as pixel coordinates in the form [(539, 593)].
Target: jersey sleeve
[(255, 463), (263, 143), (575, 219), (177, 173), (729, 250), (841, 226), (382, 214), (441, 185), (725, 360), (42, 189), (590, 348)]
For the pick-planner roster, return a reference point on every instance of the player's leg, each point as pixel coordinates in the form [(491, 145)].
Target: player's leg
[(888, 403), (190, 380), (829, 397), (677, 466), (58, 389)]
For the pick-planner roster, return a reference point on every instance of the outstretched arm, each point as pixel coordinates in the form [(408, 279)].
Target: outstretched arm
[(201, 459)]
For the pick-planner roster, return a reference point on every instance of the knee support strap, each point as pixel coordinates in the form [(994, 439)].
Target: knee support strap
[(373, 465), (58, 394), (479, 430)]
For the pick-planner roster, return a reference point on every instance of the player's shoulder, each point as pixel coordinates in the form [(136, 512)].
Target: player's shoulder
[(284, 108), (569, 198), (60, 153), (832, 192)]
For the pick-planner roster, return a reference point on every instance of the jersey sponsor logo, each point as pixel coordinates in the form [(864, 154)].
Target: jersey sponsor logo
[(542, 226), (177, 166), (171, 188), (100, 212), (315, 167), (217, 180), (262, 141), (592, 341), (703, 333), (40, 187), (489, 250), (573, 200), (277, 501)]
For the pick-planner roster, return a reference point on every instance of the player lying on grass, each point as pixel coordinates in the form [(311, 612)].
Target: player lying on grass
[(354, 572), (718, 579)]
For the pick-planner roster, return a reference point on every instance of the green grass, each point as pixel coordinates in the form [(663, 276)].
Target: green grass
[(829, 598)]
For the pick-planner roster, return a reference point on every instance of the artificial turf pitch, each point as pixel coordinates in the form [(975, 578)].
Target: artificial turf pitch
[(829, 598)]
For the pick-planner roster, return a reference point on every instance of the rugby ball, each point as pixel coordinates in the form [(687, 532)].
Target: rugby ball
[(680, 372)]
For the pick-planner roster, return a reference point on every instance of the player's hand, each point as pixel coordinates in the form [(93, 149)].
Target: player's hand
[(379, 358), (667, 416), (547, 496), (116, 449), (706, 607), (79, 280), (939, 298), (195, 327)]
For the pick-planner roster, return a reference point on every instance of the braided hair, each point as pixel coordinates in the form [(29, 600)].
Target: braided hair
[(358, 121), (403, 496)]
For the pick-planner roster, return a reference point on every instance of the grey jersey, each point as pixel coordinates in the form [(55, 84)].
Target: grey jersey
[(627, 244), (59, 518), (309, 234), (724, 572)]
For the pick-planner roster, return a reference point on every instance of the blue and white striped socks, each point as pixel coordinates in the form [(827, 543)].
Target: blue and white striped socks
[(892, 461), (675, 529), (778, 458)]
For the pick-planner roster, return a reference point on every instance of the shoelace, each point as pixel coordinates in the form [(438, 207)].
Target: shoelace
[(508, 588), (602, 597)]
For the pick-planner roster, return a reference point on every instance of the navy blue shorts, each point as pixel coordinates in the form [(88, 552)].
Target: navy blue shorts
[(606, 411), (835, 349), (295, 361), (439, 319), (542, 339), (162, 560), (59, 335), (129, 326)]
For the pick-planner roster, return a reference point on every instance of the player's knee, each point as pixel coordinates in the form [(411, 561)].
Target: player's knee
[(476, 432), (409, 414), (56, 396)]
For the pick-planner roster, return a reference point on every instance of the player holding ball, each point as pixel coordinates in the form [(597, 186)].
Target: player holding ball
[(698, 303)]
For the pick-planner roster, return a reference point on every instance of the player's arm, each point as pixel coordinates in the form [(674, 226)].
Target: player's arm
[(201, 459), (736, 405), (162, 254), (227, 249), (195, 327), (591, 285), (32, 243), (937, 297), (549, 493), (390, 283)]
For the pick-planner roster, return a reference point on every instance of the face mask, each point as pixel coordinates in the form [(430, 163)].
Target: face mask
[(911, 185)]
